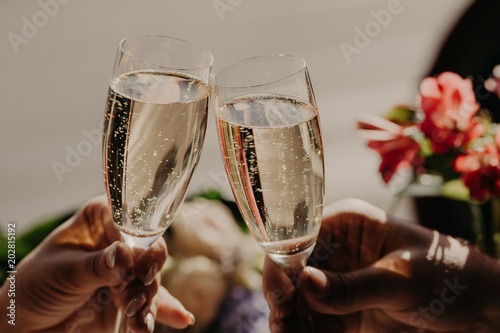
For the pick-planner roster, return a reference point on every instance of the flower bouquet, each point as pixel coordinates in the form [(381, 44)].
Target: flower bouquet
[(214, 267), (446, 145)]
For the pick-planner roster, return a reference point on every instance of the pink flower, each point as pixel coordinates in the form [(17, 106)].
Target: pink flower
[(449, 105), (397, 150), (481, 171)]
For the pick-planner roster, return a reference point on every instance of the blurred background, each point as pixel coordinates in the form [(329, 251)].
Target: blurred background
[(364, 56)]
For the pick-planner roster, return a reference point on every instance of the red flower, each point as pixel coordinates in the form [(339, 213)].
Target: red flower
[(397, 150), (481, 171), (449, 104)]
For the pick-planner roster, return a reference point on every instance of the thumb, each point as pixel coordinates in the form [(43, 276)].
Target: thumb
[(348, 292), (107, 267)]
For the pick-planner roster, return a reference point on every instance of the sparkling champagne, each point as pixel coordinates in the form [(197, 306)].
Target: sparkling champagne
[(153, 137), (272, 153)]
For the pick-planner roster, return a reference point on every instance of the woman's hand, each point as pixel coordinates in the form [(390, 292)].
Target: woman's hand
[(78, 277)]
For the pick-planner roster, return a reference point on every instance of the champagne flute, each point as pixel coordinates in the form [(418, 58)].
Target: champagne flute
[(270, 139), (155, 123)]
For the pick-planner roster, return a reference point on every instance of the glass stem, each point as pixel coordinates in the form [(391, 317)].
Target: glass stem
[(138, 243)]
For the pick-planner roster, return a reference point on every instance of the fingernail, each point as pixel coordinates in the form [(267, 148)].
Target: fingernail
[(110, 259), (150, 322), (151, 274), (276, 328), (320, 282), (192, 318), (135, 304)]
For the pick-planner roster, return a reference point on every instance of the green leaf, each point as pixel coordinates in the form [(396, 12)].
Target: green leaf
[(425, 147), (401, 115), (443, 165), (211, 195), (35, 236), (455, 189), (237, 215)]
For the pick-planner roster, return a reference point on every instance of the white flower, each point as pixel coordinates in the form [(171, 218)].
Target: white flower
[(205, 227), (247, 277), (199, 284)]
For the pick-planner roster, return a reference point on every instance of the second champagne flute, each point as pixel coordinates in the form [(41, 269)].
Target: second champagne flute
[(270, 139)]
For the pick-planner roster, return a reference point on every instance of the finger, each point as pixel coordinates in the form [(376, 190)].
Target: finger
[(275, 325), (357, 207), (327, 323), (97, 211), (350, 218), (350, 235), (143, 322), (170, 311), (135, 302), (151, 261), (320, 323), (289, 324), (136, 296), (278, 289), (93, 269), (344, 293)]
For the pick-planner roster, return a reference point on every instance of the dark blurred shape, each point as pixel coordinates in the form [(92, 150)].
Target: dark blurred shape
[(466, 220), (472, 49), (451, 217)]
